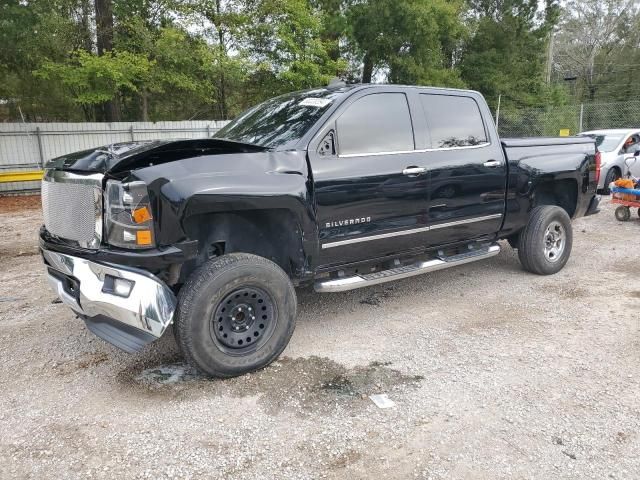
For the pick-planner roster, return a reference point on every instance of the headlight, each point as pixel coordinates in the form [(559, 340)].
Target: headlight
[(128, 218)]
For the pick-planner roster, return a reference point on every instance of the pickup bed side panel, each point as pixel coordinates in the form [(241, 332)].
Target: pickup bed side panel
[(536, 165)]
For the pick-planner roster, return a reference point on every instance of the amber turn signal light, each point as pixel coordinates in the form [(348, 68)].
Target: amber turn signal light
[(141, 215), (143, 237)]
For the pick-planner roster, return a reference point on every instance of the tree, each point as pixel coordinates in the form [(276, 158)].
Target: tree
[(227, 18), (333, 25), (109, 110), (598, 44), (283, 43), (96, 80), (68, 60), (506, 51), (181, 79), (187, 66), (412, 40), (30, 33)]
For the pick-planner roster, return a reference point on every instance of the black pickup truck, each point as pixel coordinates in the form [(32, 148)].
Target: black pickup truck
[(339, 187)]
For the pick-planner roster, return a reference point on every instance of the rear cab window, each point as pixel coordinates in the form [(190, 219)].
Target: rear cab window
[(374, 124), (453, 121)]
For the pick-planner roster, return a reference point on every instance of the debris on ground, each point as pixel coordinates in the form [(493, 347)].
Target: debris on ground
[(382, 400)]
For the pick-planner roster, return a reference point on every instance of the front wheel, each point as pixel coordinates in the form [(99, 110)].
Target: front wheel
[(545, 243), (235, 314)]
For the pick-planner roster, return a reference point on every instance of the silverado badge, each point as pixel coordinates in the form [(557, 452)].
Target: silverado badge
[(348, 221)]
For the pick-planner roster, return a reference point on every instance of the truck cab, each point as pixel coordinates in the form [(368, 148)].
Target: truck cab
[(422, 160)]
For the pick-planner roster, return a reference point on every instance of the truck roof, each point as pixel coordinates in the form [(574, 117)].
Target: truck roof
[(344, 88)]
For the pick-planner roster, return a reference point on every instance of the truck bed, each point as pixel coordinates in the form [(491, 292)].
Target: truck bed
[(544, 141)]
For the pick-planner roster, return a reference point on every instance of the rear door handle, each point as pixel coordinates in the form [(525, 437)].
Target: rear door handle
[(410, 171), (493, 164)]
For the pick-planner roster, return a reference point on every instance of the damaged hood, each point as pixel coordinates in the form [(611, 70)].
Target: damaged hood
[(119, 157)]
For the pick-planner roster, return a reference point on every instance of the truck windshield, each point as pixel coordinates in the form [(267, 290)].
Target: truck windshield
[(281, 120)]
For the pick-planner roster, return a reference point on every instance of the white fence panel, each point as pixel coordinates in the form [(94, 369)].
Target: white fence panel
[(28, 146)]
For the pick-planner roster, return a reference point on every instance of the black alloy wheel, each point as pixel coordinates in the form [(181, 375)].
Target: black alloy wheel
[(235, 314), (243, 321)]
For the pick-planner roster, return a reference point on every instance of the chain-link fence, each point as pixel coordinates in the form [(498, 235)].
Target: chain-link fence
[(566, 120)]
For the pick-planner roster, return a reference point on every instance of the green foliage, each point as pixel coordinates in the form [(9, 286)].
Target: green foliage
[(92, 79), (507, 52), (179, 78), (598, 46), (411, 39), (181, 59), (31, 33), (284, 40)]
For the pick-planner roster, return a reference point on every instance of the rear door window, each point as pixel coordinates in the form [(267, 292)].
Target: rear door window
[(453, 121), (377, 123)]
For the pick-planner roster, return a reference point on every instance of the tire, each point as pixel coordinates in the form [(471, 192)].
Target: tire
[(235, 315), (623, 214), (612, 175), (514, 240), (545, 242), (639, 212)]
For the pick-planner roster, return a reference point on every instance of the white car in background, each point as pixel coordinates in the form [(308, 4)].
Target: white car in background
[(616, 146)]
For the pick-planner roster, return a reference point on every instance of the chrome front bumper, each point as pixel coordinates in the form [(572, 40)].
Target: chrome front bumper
[(87, 288)]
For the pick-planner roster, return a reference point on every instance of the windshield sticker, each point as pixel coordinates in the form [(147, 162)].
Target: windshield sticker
[(315, 102)]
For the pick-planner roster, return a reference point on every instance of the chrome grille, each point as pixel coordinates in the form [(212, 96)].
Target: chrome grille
[(72, 206)]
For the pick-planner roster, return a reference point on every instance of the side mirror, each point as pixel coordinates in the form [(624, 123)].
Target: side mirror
[(327, 146)]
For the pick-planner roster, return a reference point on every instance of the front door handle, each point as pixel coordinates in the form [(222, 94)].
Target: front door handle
[(411, 171), (493, 164)]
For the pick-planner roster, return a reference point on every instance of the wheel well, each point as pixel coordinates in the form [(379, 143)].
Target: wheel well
[(273, 234), (563, 193), (616, 168)]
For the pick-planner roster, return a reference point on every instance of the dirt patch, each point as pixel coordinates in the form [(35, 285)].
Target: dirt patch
[(20, 251), (19, 227), (345, 460), (376, 298), (623, 437), (19, 203), (90, 360), (626, 266), (302, 384), (634, 294), (500, 317), (573, 293)]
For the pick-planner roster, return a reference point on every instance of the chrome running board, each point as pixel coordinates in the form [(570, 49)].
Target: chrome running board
[(365, 280)]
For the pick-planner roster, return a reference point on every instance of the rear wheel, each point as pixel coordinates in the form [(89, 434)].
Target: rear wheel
[(545, 243), (235, 314), (623, 214)]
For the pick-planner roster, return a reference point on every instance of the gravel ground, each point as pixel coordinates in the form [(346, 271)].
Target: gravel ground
[(495, 373)]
